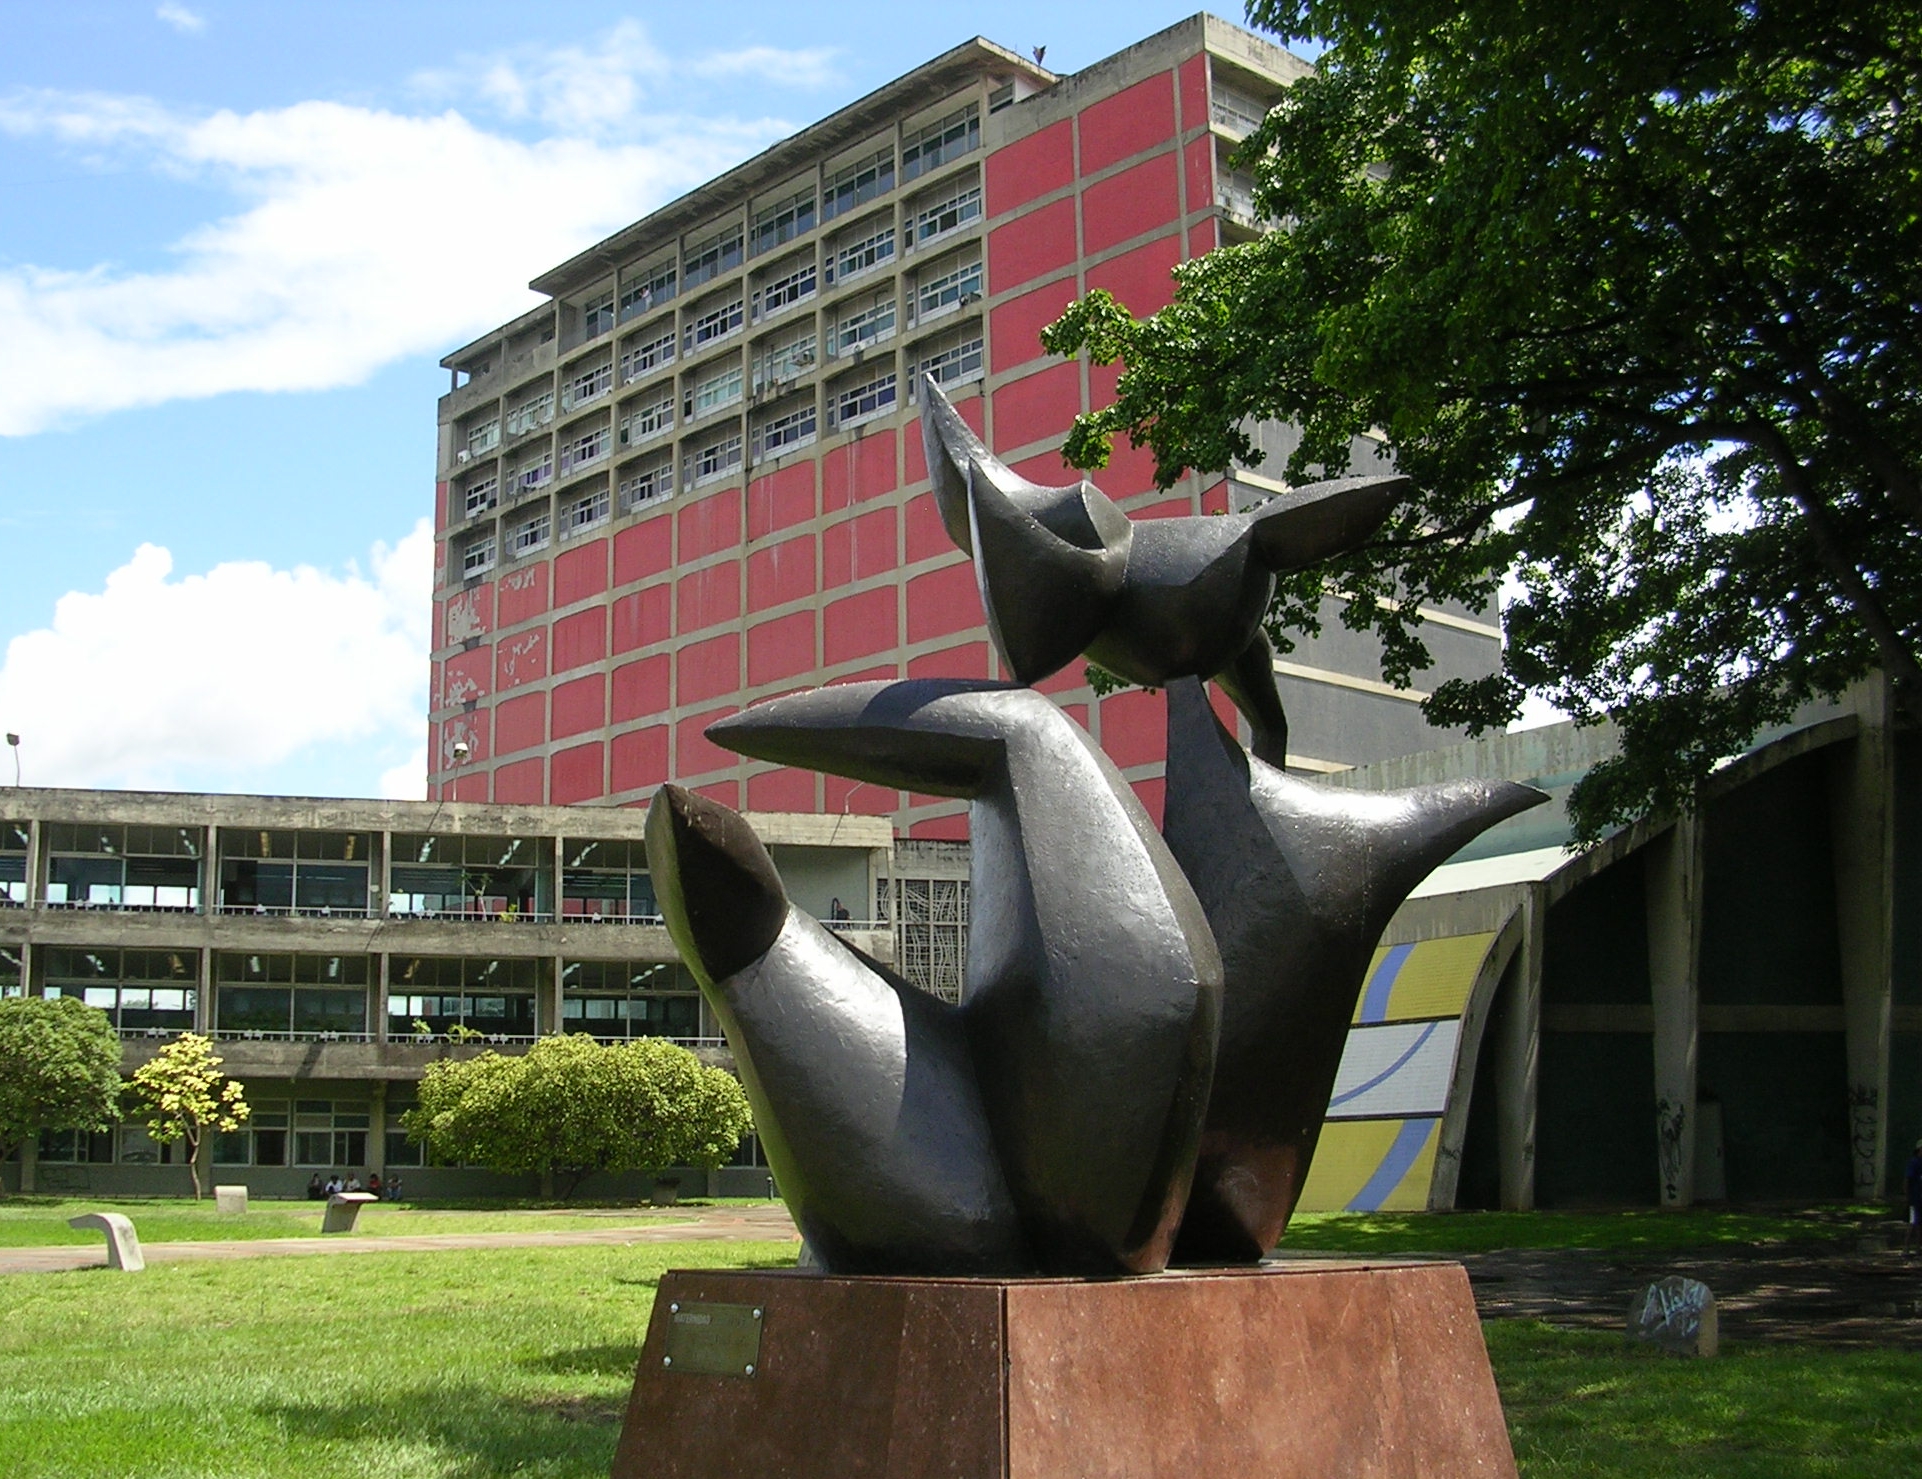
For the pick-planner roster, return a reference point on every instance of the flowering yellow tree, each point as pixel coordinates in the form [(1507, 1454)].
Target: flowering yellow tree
[(181, 1094)]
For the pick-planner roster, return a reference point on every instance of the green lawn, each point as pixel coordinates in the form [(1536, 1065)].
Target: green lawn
[(40, 1221), (517, 1361), (1634, 1231)]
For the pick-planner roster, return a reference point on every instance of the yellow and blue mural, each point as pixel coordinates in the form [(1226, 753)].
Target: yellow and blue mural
[(1378, 1140)]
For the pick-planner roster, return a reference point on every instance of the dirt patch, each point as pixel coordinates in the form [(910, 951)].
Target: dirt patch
[(1842, 1295)]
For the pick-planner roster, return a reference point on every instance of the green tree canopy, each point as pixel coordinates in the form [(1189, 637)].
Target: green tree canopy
[(570, 1106), (1632, 291), (181, 1094), (59, 1068)]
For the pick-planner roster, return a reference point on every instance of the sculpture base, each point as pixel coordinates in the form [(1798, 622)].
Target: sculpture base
[(1309, 1369)]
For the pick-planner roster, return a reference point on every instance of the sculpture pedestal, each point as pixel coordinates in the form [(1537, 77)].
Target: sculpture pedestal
[(1290, 1369)]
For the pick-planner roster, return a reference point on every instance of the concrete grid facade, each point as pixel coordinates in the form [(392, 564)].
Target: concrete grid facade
[(334, 949), (694, 479)]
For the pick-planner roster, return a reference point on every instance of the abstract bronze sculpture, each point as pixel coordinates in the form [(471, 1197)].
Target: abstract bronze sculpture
[(1149, 1026)]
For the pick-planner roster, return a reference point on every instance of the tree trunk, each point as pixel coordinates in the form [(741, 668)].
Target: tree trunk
[(192, 1142), (547, 1181)]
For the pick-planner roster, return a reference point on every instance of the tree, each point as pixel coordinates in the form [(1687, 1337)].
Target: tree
[(571, 1106), (181, 1094), (1631, 291), (59, 1069)]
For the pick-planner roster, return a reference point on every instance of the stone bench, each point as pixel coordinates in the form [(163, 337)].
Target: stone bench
[(230, 1200), (343, 1208), (123, 1243)]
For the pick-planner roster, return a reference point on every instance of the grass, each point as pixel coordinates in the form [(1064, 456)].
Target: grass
[(1633, 1231), (390, 1366), (1588, 1405), (517, 1361), (42, 1221)]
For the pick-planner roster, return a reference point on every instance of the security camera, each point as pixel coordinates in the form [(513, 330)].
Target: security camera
[(461, 752)]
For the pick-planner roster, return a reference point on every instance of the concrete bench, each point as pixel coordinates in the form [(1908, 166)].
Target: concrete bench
[(343, 1208), (123, 1243), (229, 1200)]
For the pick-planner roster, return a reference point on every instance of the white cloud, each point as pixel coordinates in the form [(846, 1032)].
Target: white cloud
[(364, 236), (181, 19), (592, 89), (408, 780), (244, 677)]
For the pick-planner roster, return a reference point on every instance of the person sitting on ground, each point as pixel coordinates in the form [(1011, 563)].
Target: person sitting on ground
[(314, 1189), (393, 1190), (353, 1183), (333, 1186), (373, 1183)]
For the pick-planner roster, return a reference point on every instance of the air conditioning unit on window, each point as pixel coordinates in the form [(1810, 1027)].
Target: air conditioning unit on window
[(463, 455)]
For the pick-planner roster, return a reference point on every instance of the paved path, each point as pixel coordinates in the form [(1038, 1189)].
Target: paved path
[(706, 1224)]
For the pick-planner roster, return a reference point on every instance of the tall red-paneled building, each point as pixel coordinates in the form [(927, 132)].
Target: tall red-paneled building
[(694, 478)]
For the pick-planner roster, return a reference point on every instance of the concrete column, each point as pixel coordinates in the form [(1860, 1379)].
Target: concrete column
[(382, 980), (29, 1165), (1518, 1050), (547, 1005), (204, 994), (377, 1131), (36, 862), (1672, 885), (1862, 842)]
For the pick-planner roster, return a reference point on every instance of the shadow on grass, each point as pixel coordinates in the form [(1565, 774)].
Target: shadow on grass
[(471, 1430), (1629, 1230), (587, 1360)]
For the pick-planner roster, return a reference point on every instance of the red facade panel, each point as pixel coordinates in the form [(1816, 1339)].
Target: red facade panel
[(471, 786), (642, 550), (1202, 238), (1014, 328), (1037, 408), (1031, 246), (943, 601), (577, 774), (642, 618), (579, 706), (859, 470), (467, 675), (520, 784), (1199, 160), (781, 790), (638, 758), (1152, 792), (707, 596), (858, 548), (694, 753), (1029, 168), (520, 723), (1214, 500), (841, 796), (640, 688), (705, 670), (1134, 119), (1136, 201), (780, 573), (925, 535), (780, 648), (1130, 470), (728, 793), (521, 659), (780, 500), (522, 594), (1134, 726), (969, 660), (472, 729), (1143, 278), (580, 639), (580, 573), (710, 525), (467, 614), (858, 625)]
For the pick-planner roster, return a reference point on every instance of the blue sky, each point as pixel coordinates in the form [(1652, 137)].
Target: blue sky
[(236, 239)]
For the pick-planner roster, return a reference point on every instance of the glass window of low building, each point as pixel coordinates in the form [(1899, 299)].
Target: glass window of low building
[(432, 994), (76, 1147), (12, 974), (606, 880), (13, 863), (123, 867), (152, 991), (331, 1133), (618, 999), (290, 872), (262, 1141), (402, 1151), (470, 877), (138, 1148), (290, 996)]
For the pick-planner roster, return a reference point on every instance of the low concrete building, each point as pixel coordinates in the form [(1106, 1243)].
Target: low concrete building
[(333, 949)]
